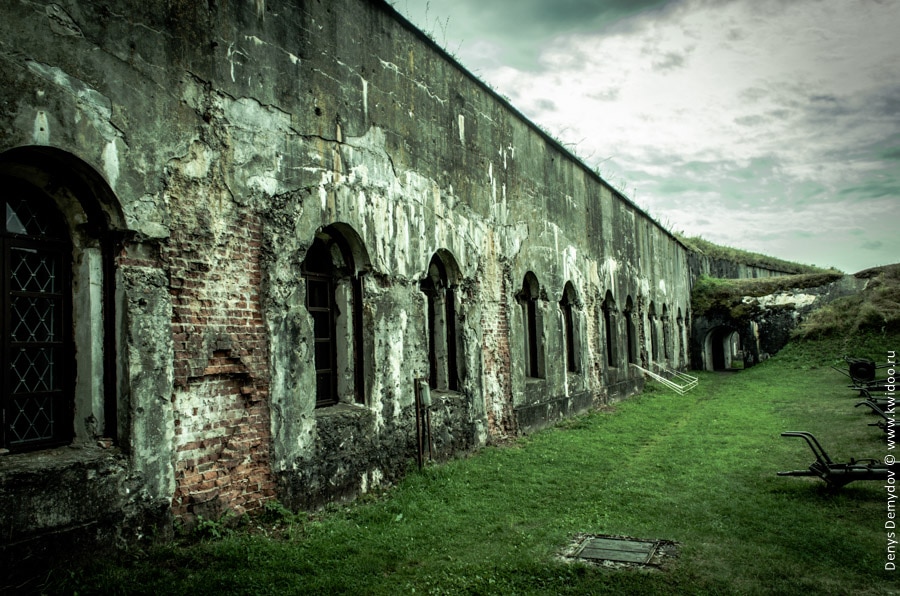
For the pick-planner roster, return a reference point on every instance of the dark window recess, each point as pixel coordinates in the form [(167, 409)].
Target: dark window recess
[(334, 297), (450, 320), (38, 378), (568, 304), (533, 326), (442, 365), (609, 307), (631, 343), (321, 306), (531, 338)]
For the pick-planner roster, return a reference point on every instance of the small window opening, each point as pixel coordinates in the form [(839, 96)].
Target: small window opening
[(441, 324), (609, 309), (568, 305), (534, 362)]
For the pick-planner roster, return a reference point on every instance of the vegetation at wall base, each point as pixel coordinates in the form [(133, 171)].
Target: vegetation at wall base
[(698, 469)]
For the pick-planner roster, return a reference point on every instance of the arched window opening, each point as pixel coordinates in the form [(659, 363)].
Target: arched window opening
[(568, 304), (334, 302), (59, 301), (320, 302), (679, 336), (38, 372), (437, 286), (609, 322), (654, 337), (630, 331), (667, 332), (533, 326)]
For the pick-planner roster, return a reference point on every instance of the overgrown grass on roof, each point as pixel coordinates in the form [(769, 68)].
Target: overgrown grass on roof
[(875, 309), (711, 293), (744, 257)]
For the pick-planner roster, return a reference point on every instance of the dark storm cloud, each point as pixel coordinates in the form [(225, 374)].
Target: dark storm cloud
[(875, 189), (669, 61), (545, 105), (575, 14), (887, 102), (518, 29), (892, 154)]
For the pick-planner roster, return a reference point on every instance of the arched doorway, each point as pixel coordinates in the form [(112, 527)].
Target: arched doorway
[(722, 349)]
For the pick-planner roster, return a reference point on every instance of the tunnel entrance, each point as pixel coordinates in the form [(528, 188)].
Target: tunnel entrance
[(722, 349)]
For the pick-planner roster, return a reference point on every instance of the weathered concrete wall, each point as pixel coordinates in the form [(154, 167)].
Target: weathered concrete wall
[(220, 141), (701, 264)]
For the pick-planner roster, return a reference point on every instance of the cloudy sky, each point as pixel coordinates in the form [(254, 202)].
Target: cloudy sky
[(767, 125)]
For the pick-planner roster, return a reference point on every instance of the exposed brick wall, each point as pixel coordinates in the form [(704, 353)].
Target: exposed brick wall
[(215, 299), (222, 437), (222, 430), (497, 365)]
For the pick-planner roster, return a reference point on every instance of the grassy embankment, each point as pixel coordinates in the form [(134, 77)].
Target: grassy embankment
[(698, 470)]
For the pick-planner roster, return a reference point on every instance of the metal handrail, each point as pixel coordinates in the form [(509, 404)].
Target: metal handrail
[(690, 382)]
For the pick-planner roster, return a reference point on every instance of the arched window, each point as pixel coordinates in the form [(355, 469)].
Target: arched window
[(59, 302), (630, 331), (654, 338), (567, 304), (667, 332), (38, 371), (437, 286), (334, 301), (609, 322), (533, 326)]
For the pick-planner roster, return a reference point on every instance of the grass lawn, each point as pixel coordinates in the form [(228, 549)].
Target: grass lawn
[(697, 469)]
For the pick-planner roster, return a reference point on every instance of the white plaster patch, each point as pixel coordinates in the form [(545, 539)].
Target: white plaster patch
[(570, 259), (608, 269), (110, 160), (462, 129), (323, 194), (197, 166), (645, 286), (233, 56), (662, 286), (782, 299), (265, 184), (359, 174), (248, 114), (365, 97), (96, 106), (389, 66), (41, 134), (361, 209)]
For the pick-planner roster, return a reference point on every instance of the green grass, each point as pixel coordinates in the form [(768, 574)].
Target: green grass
[(698, 469)]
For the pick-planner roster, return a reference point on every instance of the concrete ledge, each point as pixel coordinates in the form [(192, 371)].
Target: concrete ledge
[(61, 504)]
